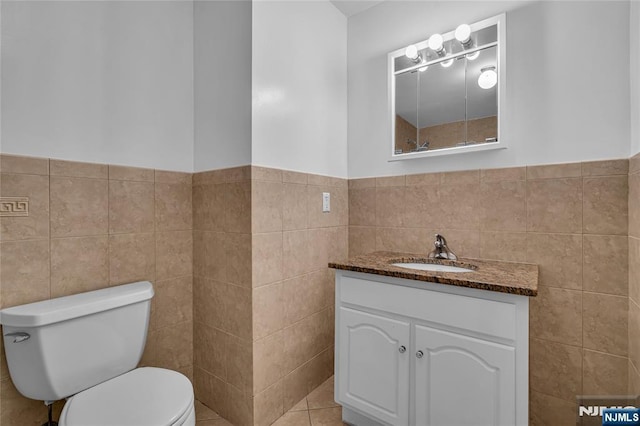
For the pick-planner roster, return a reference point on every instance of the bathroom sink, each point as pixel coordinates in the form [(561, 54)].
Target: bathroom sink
[(436, 267)]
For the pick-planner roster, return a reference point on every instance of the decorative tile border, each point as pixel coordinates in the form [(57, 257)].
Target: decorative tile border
[(14, 206)]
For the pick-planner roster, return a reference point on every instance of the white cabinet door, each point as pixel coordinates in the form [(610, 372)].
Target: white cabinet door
[(461, 380), (374, 358)]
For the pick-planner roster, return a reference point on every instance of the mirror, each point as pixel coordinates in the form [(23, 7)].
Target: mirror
[(446, 94)]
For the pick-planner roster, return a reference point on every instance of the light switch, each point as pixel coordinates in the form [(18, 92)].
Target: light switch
[(326, 202)]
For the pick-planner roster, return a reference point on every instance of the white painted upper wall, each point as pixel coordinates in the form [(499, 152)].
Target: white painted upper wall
[(635, 76), (567, 88), (107, 82), (299, 79), (222, 32)]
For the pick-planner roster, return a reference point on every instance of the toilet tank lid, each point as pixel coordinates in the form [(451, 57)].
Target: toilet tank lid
[(78, 305)]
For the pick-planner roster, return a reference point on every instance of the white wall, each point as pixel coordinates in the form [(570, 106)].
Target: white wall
[(222, 34), (299, 119), (567, 87), (635, 76), (108, 81)]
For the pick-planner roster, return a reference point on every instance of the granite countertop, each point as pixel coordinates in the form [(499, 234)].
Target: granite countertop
[(505, 277)]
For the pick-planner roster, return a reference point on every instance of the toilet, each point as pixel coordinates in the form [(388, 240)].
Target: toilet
[(85, 348)]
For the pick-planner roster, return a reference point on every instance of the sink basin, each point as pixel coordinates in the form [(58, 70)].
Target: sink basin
[(432, 267)]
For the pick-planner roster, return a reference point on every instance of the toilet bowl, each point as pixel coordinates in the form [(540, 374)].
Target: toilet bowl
[(85, 348), (145, 396)]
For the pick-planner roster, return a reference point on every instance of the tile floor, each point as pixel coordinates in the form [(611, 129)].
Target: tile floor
[(317, 409)]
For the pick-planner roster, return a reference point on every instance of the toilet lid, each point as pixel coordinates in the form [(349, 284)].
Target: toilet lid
[(142, 397)]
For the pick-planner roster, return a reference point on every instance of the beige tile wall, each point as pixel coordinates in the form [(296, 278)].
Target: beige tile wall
[(223, 374), (92, 226), (634, 275), (570, 219), (261, 250)]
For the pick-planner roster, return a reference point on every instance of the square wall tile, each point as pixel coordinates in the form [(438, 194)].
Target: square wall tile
[(559, 259), (209, 305), (604, 374), (36, 225), (504, 246), (172, 302), (79, 206), (132, 258), (606, 205), (547, 410), (605, 264), (24, 272), (173, 346), (173, 206), (266, 206), (556, 315), (503, 206), (554, 205), (555, 369), (294, 206), (174, 254), (605, 323), (300, 382), (389, 206), (79, 264), (362, 240), (208, 207), (131, 207)]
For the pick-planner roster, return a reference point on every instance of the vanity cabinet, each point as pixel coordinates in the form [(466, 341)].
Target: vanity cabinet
[(418, 353)]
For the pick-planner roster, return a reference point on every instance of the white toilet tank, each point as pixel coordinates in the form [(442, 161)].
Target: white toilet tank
[(76, 342)]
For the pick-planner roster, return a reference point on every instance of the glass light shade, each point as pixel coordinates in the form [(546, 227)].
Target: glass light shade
[(447, 63), (411, 52), (473, 56), (463, 33), (488, 78), (436, 42)]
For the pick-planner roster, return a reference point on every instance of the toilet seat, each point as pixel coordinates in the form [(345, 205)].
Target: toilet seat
[(145, 396)]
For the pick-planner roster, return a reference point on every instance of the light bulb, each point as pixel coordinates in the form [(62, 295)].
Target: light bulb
[(447, 63), (411, 51), (436, 43), (488, 78), (473, 56), (463, 33)]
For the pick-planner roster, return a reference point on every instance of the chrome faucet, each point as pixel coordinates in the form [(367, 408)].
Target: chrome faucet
[(441, 251)]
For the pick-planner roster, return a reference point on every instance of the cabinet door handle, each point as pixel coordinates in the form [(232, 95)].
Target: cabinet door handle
[(419, 354), (402, 349)]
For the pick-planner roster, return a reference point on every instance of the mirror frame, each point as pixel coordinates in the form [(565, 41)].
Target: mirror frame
[(500, 22)]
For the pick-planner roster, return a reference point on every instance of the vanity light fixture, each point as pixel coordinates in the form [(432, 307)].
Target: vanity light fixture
[(488, 77), (411, 52), (436, 43)]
